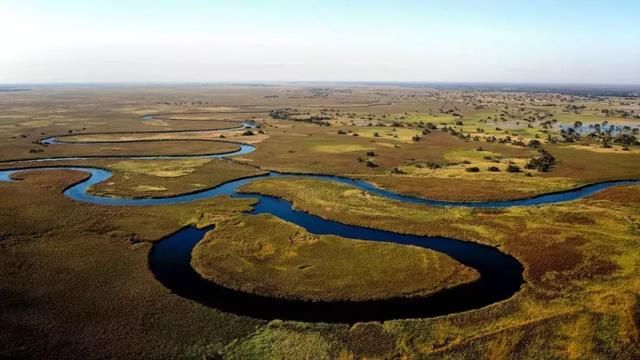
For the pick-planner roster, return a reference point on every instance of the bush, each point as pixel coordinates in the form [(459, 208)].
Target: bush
[(371, 164), (512, 168), (473, 169), (248, 133), (534, 143), (494, 169), (432, 165)]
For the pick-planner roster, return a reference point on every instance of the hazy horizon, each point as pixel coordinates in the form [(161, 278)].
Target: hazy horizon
[(496, 42)]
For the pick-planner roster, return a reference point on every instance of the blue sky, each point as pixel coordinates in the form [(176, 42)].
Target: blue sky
[(479, 41)]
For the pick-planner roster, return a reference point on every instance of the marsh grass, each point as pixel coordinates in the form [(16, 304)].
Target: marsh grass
[(580, 263), (265, 255)]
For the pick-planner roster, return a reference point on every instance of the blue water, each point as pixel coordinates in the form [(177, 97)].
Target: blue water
[(170, 258), (80, 191)]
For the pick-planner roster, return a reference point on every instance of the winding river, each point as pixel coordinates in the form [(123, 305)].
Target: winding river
[(501, 275)]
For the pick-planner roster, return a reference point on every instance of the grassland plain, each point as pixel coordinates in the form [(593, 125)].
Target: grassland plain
[(74, 277), (285, 261), (125, 149)]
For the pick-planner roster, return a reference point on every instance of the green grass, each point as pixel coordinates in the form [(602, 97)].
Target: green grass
[(155, 178), (286, 261)]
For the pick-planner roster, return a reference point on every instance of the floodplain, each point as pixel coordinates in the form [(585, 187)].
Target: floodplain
[(75, 276)]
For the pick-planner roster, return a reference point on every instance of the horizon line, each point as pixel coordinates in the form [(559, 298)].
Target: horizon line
[(376, 82)]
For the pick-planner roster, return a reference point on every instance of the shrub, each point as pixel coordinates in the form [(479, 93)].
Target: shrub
[(494, 169), (534, 143), (512, 168), (473, 169)]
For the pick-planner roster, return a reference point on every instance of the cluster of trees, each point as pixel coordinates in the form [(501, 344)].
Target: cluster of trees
[(576, 109), (281, 114), (621, 113), (543, 162), (569, 135), (294, 115)]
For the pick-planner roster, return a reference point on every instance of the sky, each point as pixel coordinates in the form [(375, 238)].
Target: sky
[(519, 41)]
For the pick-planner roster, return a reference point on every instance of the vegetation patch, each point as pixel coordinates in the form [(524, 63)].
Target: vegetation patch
[(265, 255), (160, 168), (336, 149), (153, 178)]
